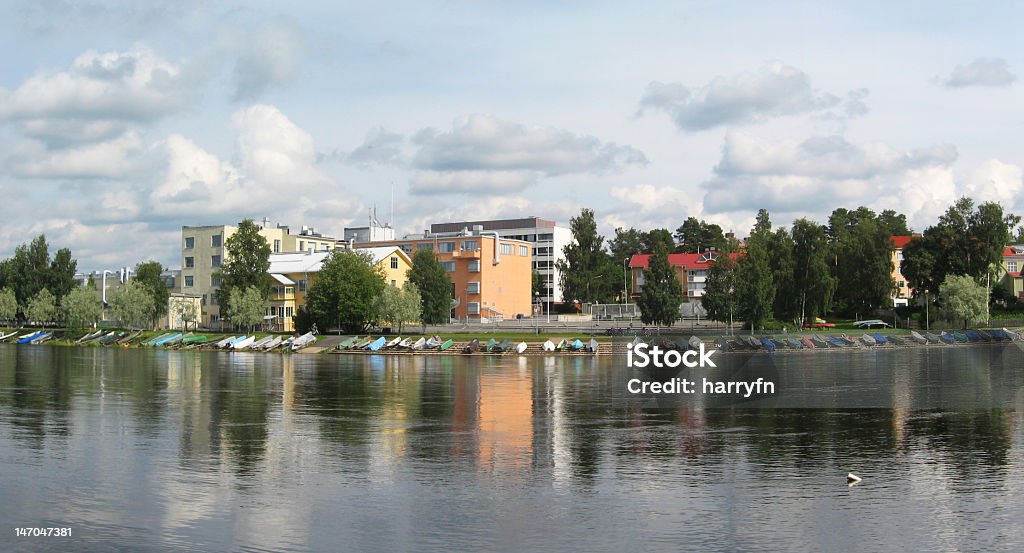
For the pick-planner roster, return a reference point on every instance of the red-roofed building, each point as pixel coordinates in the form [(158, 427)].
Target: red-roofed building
[(691, 270), (903, 292), (1013, 264)]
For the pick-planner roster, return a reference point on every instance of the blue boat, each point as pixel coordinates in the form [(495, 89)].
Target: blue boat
[(946, 337), (576, 345), (879, 338), (972, 335), (164, 340), (768, 344), (837, 341), (30, 337), (998, 334), (377, 344)]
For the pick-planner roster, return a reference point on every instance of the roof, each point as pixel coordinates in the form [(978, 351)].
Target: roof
[(900, 241), (686, 260), (282, 279), (1013, 251), (301, 262), (494, 224), (285, 263), (381, 253)]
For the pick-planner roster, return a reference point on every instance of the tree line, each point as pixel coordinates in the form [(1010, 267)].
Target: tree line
[(844, 267)]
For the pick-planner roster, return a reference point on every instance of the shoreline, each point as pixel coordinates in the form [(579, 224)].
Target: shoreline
[(607, 345)]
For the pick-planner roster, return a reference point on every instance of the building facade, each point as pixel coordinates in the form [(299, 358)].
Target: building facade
[(492, 276), (1013, 266), (203, 252), (546, 239), (902, 293), (293, 274), (691, 270)]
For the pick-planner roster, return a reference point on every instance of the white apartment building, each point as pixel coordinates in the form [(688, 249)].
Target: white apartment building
[(203, 252)]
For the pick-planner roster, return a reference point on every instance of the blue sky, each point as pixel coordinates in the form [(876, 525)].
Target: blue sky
[(120, 123)]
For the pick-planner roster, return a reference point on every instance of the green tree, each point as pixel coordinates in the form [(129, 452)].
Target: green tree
[(82, 307), (696, 236), (813, 284), (8, 305), (148, 275), (588, 275), (186, 312), (247, 306), (247, 260), (434, 284), (28, 271), (963, 299), (397, 306), (41, 308), (132, 305), (861, 261), (755, 289), (658, 239), (662, 294), (60, 278), (720, 299), (345, 290), (895, 224), (785, 306)]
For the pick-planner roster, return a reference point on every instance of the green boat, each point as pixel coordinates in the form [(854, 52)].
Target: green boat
[(960, 337), (152, 341), (503, 347), (194, 339), (359, 344), (447, 344), (562, 345), (347, 342), (490, 344)]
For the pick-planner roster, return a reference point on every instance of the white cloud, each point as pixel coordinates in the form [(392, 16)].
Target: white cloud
[(995, 181), (96, 96), (482, 153), (273, 151), (773, 90), (117, 158), (793, 179), (379, 147), (980, 72)]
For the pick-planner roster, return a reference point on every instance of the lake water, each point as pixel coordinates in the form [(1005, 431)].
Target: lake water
[(158, 450)]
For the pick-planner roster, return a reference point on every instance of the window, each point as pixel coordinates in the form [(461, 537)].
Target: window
[(543, 237), (189, 281), (473, 288), (900, 284), (424, 246), (203, 302), (394, 283), (302, 285), (506, 249), (446, 247), (213, 318), (394, 262), (190, 242), (288, 311), (213, 299), (277, 246), (216, 240), (474, 265), (448, 266), (190, 262), (215, 261), (524, 251), (473, 308), (289, 290), (302, 245), (1011, 266), (470, 245)]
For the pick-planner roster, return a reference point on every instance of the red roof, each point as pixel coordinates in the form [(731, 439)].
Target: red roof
[(686, 260), (899, 241), (1008, 251)]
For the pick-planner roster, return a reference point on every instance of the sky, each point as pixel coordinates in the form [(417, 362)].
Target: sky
[(120, 122)]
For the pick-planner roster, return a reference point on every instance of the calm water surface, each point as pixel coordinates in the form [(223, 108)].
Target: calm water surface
[(154, 450)]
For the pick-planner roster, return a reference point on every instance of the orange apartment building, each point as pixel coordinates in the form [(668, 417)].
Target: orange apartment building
[(492, 276)]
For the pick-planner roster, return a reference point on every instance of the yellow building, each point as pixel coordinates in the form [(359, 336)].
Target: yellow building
[(902, 293), (203, 252), (292, 274)]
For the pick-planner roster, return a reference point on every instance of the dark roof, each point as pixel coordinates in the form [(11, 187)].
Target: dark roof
[(496, 224)]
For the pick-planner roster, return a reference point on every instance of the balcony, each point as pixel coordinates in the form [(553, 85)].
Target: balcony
[(466, 254)]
